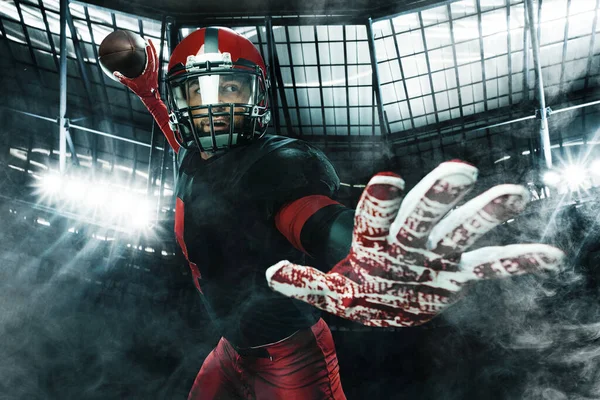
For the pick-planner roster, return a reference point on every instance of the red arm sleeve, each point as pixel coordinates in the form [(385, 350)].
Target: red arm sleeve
[(292, 216), (159, 112)]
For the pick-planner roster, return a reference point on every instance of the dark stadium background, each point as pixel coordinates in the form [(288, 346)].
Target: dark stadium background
[(91, 308)]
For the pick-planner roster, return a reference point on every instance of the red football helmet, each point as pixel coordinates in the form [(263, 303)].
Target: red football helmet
[(217, 90)]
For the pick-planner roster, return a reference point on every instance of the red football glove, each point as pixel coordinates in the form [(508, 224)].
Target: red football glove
[(405, 266), (146, 87)]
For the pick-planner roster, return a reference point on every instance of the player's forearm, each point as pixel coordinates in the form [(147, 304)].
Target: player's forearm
[(327, 235), (320, 227), (159, 112)]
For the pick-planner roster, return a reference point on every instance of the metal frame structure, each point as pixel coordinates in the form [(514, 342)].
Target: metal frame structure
[(376, 82), (293, 114), (541, 96)]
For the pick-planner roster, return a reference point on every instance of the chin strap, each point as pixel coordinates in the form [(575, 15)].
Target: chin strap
[(145, 87)]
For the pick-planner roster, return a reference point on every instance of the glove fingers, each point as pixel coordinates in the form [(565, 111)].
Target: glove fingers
[(463, 226), (430, 200), (377, 209), (423, 302), (152, 52), (122, 78), (151, 59), (324, 291), (152, 48), (505, 261)]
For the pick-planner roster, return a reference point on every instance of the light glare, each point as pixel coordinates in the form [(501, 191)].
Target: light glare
[(140, 215), (76, 190), (552, 178), (103, 202), (97, 196), (51, 184), (575, 176), (595, 168)]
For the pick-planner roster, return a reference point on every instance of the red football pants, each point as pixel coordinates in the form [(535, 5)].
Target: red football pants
[(301, 367)]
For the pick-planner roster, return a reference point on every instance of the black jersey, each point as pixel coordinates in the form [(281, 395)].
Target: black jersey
[(229, 205)]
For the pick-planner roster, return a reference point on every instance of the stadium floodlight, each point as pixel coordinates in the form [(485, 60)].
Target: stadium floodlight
[(552, 178), (75, 190), (575, 176), (42, 221), (51, 184), (141, 215), (97, 196), (595, 168), (104, 202), (122, 203)]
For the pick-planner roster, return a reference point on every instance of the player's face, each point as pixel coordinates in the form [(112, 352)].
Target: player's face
[(229, 89)]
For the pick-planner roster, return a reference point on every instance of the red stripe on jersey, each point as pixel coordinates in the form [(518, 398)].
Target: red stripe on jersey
[(291, 218), (179, 228)]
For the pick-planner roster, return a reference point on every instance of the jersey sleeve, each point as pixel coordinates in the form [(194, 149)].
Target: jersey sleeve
[(318, 226), (299, 185), (290, 173)]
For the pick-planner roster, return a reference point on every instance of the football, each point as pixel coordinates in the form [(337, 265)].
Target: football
[(122, 51)]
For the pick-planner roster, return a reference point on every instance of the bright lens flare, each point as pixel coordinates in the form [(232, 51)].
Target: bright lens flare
[(552, 178), (575, 176), (595, 168), (97, 196), (141, 215), (76, 190), (122, 203), (51, 184), (103, 202)]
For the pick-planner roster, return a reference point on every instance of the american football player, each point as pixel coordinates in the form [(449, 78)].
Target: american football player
[(251, 207)]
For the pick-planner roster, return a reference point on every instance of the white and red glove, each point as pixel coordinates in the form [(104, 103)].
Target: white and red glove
[(146, 87), (406, 263)]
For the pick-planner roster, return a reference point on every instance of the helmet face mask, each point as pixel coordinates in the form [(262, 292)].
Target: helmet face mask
[(216, 104)]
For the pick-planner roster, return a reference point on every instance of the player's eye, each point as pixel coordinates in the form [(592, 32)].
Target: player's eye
[(193, 90), (230, 88)]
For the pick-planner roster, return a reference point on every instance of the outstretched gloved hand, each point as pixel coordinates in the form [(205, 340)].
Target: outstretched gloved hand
[(406, 263)]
